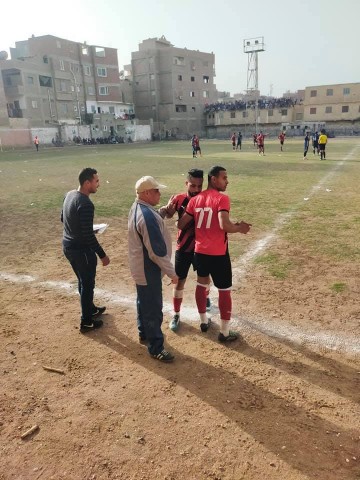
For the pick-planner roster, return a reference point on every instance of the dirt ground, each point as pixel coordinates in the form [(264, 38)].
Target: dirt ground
[(273, 406)]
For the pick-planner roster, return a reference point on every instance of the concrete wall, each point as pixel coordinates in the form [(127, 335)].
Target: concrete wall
[(138, 132)]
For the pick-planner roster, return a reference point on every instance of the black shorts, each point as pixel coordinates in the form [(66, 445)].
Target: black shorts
[(322, 146), (217, 266), (183, 262)]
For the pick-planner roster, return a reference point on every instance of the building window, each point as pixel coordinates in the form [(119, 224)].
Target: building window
[(179, 61), (100, 51), (153, 93), (312, 110), (180, 78), (87, 70), (103, 90), (205, 94), (270, 113), (299, 116), (245, 114), (85, 50), (180, 108), (192, 65), (93, 109), (329, 92), (192, 79), (102, 72), (193, 109), (45, 81), (61, 64), (346, 91), (232, 114), (284, 112), (345, 108), (30, 80), (112, 110), (105, 128), (64, 108), (206, 79), (152, 76), (75, 108), (62, 86), (34, 104), (46, 59), (328, 109), (313, 93), (192, 94)]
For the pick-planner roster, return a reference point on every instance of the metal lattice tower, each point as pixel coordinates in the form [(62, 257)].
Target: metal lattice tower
[(252, 46)]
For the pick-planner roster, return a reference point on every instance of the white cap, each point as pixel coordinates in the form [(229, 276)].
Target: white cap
[(147, 183)]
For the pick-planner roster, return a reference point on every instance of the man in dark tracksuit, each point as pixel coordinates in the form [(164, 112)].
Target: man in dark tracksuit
[(149, 260), (80, 245)]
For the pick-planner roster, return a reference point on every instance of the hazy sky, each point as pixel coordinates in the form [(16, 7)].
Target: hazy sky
[(308, 42)]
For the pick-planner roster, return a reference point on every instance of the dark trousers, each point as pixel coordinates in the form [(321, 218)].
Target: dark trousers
[(84, 263), (149, 312)]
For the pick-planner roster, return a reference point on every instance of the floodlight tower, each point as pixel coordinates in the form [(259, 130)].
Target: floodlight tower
[(252, 46)]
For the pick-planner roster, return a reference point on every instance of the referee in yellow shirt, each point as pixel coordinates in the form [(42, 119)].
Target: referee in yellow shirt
[(322, 144)]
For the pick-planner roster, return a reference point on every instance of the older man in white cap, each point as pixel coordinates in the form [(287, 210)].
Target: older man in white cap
[(149, 260)]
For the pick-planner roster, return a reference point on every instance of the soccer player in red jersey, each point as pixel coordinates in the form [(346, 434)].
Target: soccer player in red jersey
[(281, 137), (260, 143), (184, 255), (210, 212)]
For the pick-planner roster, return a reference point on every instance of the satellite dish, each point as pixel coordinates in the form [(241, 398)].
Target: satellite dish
[(3, 55)]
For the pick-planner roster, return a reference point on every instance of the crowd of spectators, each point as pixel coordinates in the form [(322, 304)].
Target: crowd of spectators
[(266, 103)]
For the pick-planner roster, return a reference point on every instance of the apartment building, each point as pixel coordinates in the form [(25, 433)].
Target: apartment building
[(51, 81), (332, 103), (172, 85)]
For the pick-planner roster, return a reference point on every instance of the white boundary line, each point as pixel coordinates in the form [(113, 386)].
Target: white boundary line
[(330, 340)]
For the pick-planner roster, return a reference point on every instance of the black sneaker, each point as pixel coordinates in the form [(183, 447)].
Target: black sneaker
[(164, 356), (204, 327), (230, 338), (91, 325), (99, 311)]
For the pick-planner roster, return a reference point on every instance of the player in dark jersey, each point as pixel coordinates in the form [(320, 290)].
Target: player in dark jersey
[(184, 255)]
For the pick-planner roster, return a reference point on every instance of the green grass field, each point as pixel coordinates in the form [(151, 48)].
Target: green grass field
[(262, 189)]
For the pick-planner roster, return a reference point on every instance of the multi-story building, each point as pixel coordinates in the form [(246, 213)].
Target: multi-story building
[(172, 85), (332, 103), (50, 81)]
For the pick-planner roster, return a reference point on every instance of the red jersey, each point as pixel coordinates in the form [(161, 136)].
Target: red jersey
[(210, 239), (281, 137), (260, 139), (186, 237)]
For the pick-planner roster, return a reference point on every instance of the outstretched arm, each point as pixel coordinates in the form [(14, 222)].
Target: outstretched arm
[(230, 227)]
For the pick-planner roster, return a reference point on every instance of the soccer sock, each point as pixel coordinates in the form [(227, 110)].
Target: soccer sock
[(224, 327), (177, 300), (200, 297), (225, 304)]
